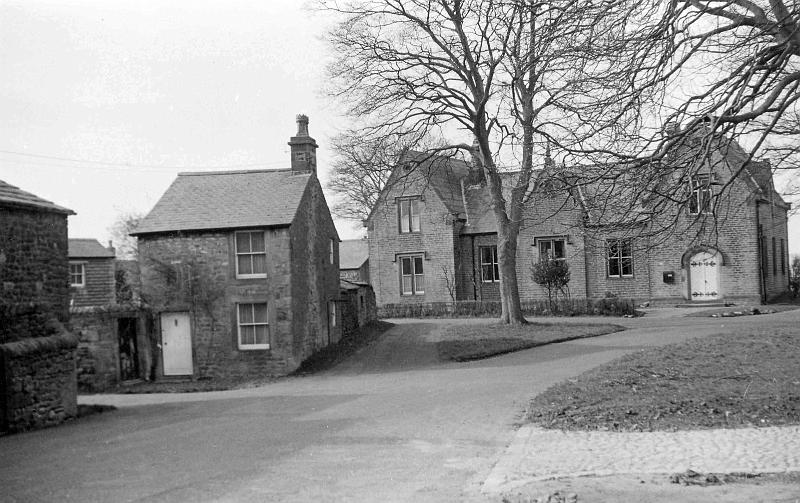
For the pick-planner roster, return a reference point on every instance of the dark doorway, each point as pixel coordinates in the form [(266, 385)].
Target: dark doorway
[(128, 352)]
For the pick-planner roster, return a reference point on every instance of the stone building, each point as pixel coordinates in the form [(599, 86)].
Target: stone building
[(432, 235), (91, 273), (242, 268), (37, 355), (354, 260)]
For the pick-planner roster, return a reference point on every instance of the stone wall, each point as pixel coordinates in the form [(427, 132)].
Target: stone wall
[(34, 275), (314, 276), (37, 382), (98, 352), (357, 307)]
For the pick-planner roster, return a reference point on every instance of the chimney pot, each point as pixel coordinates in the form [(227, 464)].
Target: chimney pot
[(303, 147)]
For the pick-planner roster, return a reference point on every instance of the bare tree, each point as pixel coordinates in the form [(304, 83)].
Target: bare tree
[(727, 70), (511, 74), (120, 230)]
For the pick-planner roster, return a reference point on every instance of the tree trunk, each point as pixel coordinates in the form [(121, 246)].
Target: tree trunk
[(511, 312)]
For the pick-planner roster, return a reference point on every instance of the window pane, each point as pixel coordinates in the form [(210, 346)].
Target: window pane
[(496, 272), (418, 265), (486, 255), (245, 313), (404, 217), (613, 267), (242, 242), (626, 248), (407, 284), (627, 266), (419, 283), (258, 244), (406, 262), (559, 249), (245, 265), (262, 334), (486, 271), (414, 215), (259, 264), (248, 334), (544, 249), (260, 313)]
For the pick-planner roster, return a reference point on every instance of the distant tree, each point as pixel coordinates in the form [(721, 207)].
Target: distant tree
[(794, 280), (362, 166), (553, 276), (124, 243)]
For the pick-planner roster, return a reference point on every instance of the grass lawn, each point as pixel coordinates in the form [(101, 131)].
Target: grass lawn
[(471, 342), (732, 380)]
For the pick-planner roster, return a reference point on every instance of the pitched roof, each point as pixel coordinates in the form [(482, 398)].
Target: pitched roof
[(88, 248), (353, 253), (10, 194), (227, 199)]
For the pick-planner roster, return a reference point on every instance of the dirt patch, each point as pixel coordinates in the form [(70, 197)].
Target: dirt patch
[(722, 381), (472, 342)]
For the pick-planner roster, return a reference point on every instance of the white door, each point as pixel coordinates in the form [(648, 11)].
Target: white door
[(176, 344), (704, 276)]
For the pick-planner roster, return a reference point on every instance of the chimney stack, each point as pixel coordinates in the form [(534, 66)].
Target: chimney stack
[(304, 148)]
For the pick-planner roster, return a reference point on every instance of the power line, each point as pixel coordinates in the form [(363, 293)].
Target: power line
[(109, 165)]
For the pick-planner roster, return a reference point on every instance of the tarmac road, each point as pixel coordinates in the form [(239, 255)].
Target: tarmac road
[(391, 424)]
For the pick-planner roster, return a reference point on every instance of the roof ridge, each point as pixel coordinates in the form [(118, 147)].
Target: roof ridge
[(235, 172)]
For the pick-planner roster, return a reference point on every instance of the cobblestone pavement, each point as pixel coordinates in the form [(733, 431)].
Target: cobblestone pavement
[(539, 454)]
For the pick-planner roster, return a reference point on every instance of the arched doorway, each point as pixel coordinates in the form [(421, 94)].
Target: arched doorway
[(704, 268)]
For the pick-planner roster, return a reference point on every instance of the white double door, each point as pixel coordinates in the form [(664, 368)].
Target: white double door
[(704, 276)]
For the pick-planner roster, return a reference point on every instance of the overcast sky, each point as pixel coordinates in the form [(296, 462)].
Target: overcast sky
[(103, 103)]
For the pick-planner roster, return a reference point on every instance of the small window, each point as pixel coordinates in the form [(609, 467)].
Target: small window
[(253, 326), (412, 276), (332, 251), (783, 258), (408, 214), (77, 276), (620, 258), (251, 255), (553, 249), (700, 200), (490, 270), (774, 258)]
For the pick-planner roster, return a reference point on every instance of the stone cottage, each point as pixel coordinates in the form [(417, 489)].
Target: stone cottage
[(115, 339), (432, 235), (242, 268), (37, 355)]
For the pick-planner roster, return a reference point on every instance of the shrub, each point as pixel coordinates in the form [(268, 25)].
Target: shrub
[(485, 309)]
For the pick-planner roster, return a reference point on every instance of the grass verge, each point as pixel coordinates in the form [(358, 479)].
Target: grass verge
[(723, 381), (472, 342), (330, 356)]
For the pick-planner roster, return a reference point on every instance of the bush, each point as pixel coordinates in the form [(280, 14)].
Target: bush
[(484, 309)]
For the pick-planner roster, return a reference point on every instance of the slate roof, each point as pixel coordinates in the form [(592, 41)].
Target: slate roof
[(88, 248), (225, 200), (353, 253), (12, 195)]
